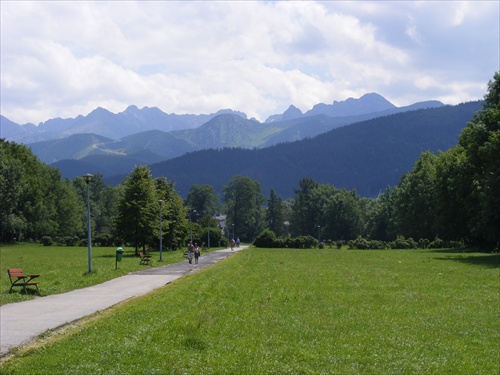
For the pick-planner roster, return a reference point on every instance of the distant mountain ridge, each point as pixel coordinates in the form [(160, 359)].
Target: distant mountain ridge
[(134, 120), (168, 136), (105, 123), (367, 155)]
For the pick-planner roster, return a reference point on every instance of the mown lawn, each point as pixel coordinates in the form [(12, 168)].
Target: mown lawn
[(265, 311), (66, 268)]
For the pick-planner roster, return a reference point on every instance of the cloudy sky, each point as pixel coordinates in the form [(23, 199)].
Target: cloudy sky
[(65, 58)]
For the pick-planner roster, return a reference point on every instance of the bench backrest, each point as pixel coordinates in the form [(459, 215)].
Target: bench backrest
[(15, 272)]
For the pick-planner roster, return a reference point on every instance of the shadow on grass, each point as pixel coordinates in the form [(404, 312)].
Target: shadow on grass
[(486, 260), (114, 256), (29, 292)]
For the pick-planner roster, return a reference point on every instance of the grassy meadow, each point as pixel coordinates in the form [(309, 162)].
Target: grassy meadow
[(66, 268), (267, 311)]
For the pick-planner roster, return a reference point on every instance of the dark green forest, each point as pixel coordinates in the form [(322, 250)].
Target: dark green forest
[(367, 156), (445, 197)]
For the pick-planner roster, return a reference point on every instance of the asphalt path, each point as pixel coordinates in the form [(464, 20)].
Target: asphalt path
[(21, 322)]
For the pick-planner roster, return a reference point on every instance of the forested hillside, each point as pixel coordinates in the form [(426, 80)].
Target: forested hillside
[(445, 199), (366, 156)]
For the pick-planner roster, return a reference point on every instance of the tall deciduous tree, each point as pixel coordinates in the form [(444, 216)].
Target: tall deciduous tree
[(203, 199), (343, 216), (481, 142), (137, 218), (416, 199), (380, 221), (35, 200), (452, 188), (174, 213), (244, 200)]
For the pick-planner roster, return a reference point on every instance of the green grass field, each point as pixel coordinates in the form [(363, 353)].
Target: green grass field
[(265, 311), (66, 268)]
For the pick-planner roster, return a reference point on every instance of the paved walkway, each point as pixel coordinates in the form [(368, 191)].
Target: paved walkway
[(23, 321)]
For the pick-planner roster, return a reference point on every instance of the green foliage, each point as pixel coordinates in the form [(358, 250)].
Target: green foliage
[(174, 220), (343, 216), (275, 214), (401, 243), (35, 201), (305, 211), (364, 244), (137, 217), (481, 142), (46, 241), (302, 242), (415, 199), (368, 155), (244, 200), (203, 199), (267, 239)]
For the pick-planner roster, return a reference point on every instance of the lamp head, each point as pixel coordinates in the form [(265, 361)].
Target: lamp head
[(88, 177)]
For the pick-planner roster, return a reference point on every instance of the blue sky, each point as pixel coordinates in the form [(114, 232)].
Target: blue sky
[(65, 58)]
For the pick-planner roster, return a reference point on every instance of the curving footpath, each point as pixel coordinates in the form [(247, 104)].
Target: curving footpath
[(23, 321)]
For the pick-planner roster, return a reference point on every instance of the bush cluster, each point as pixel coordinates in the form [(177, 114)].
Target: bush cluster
[(268, 239), (403, 243)]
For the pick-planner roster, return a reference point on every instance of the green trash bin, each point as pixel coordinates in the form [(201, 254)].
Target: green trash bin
[(119, 254)]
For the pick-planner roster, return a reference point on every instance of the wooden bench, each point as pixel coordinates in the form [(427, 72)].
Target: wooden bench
[(18, 278), (145, 259)]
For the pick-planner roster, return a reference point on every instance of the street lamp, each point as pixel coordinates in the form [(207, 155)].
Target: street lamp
[(160, 201), (208, 233), (233, 231), (88, 179), (319, 234), (190, 226)]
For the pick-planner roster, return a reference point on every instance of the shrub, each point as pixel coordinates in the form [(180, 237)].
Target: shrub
[(438, 243), (423, 243), (265, 239), (303, 242), (402, 243), (59, 241), (46, 241), (71, 240), (358, 243), (362, 244)]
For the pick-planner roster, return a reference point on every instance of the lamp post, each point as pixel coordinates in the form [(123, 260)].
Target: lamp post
[(190, 226), (233, 231), (208, 233), (319, 234), (160, 202), (88, 179)]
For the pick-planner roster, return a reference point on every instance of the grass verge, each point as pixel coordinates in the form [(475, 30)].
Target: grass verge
[(268, 311)]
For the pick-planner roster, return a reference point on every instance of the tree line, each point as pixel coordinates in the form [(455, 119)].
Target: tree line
[(453, 196)]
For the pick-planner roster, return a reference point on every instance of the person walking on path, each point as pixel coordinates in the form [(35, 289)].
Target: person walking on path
[(232, 244), (196, 253), (190, 252)]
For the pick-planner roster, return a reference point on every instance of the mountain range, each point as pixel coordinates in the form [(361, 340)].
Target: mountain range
[(149, 135), (323, 143)]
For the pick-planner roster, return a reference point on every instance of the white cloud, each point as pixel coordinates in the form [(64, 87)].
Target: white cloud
[(61, 59)]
